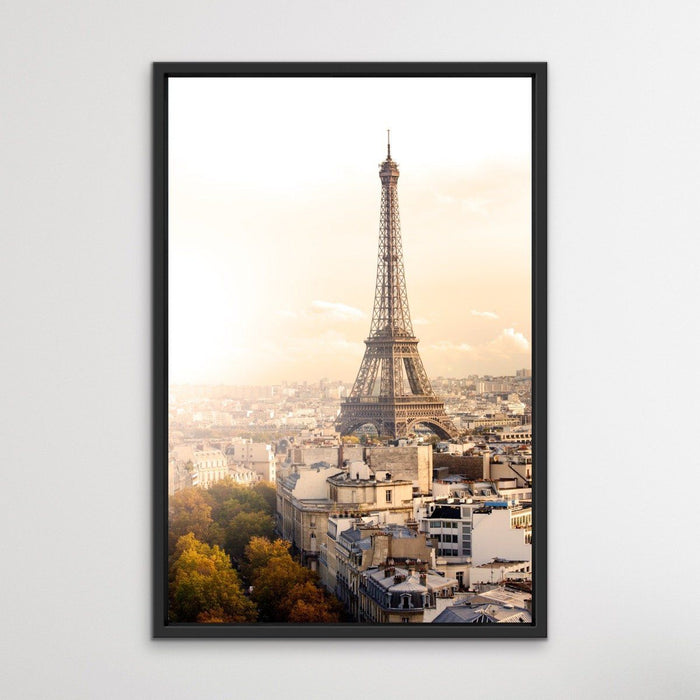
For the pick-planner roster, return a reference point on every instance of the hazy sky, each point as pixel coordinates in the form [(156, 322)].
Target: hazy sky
[(274, 221)]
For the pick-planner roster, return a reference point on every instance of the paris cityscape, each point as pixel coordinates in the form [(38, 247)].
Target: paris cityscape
[(300, 495), (451, 518)]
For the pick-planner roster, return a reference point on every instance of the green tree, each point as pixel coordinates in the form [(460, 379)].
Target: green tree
[(242, 528), (221, 491), (204, 587), (190, 512), (268, 492), (216, 535), (228, 499)]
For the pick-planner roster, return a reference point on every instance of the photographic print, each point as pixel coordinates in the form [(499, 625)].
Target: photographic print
[(349, 350)]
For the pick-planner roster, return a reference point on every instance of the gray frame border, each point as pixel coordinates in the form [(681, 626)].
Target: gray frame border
[(161, 72)]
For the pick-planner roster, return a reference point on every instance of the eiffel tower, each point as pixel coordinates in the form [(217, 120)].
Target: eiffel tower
[(392, 390)]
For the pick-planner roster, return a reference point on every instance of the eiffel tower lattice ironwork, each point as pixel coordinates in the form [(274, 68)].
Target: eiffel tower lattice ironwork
[(392, 390)]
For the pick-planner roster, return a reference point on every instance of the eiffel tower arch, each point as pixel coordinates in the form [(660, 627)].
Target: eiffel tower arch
[(392, 390)]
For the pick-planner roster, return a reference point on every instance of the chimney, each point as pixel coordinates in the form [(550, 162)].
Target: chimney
[(486, 472), (423, 578)]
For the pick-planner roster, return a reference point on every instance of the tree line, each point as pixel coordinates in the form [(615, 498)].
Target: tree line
[(226, 566)]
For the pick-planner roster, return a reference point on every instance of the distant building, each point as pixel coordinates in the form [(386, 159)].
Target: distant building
[(257, 456), (498, 420), (242, 475), (515, 470), (489, 387), (521, 434), (363, 490), (205, 465), (414, 462), (179, 476)]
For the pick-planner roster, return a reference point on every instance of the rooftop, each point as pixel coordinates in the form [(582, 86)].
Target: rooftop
[(484, 613)]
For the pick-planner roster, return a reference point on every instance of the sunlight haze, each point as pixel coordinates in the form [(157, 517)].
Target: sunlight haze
[(274, 220)]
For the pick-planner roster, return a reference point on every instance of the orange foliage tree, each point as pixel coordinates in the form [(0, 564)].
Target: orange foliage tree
[(204, 587)]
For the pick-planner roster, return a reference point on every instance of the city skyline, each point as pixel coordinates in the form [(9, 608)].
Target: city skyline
[(274, 221)]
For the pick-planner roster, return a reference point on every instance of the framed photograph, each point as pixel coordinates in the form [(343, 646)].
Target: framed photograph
[(349, 354)]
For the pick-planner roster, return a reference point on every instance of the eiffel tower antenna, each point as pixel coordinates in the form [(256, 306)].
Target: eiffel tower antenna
[(392, 390), (388, 143)]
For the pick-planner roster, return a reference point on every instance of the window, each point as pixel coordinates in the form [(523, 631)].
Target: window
[(388, 495), (434, 524), (404, 619)]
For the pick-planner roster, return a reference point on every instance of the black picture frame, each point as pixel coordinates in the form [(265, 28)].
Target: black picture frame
[(161, 628)]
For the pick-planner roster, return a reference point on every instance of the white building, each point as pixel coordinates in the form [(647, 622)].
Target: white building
[(521, 434), (468, 533), (257, 456), (206, 465), (493, 536)]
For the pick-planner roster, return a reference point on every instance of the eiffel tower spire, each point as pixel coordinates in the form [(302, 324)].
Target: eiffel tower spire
[(392, 390)]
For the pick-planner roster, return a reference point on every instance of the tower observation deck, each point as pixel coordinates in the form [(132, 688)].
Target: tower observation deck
[(392, 390)]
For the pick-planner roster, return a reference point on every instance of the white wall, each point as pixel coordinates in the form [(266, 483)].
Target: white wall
[(75, 272), (492, 536)]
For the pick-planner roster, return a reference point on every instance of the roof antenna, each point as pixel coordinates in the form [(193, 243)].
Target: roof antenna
[(388, 143)]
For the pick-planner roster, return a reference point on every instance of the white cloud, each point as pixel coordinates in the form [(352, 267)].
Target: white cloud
[(484, 314), (509, 342), (285, 313), (509, 345), (336, 310), (420, 321)]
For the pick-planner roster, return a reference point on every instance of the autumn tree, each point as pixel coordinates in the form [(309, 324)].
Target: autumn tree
[(204, 587), (308, 603), (272, 585), (283, 589), (189, 512), (259, 552)]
